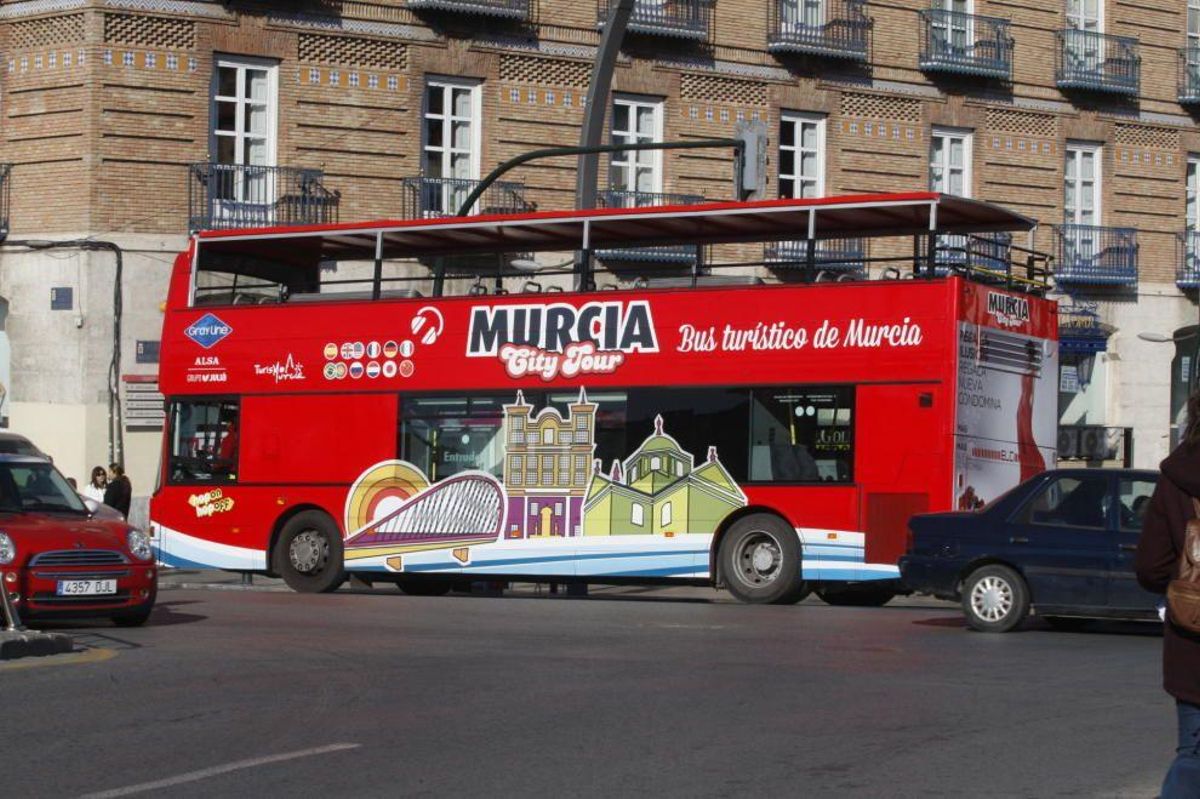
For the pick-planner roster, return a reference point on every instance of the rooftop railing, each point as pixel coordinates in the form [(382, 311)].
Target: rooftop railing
[(966, 44), (683, 19), (223, 196), (430, 198), (981, 252), (830, 28), (1189, 75), (511, 9), (1096, 256), (674, 254), (1098, 62), (843, 258)]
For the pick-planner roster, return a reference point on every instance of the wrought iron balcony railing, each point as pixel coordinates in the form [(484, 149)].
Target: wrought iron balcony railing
[(1187, 268), (672, 254), (430, 198), (510, 9), (840, 256), (223, 196), (1189, 75), (5, 198), (966, 44), (683, 19), (1096, 256), (831, 28), (1097, 62)]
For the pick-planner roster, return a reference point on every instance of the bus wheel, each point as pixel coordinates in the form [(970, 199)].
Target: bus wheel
[(416, 586), (759, 560), (995, 599), (308, 554), (856, 596)]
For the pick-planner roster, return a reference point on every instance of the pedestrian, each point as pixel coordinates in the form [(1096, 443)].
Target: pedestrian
[(1157, 562), (119, 492), (95, 487)]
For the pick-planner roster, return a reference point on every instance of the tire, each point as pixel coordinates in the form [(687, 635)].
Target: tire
[(1067, 624), (308, 554), (995, 599), (133, 618), (856, 596), (424, 587), (759, 561)]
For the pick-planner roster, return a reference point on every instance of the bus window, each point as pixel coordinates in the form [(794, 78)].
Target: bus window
[(802, 435), (204, 441), (446, 435)]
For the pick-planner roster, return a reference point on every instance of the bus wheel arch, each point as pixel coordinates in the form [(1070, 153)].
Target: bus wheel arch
[(739, 538), (316, 564)]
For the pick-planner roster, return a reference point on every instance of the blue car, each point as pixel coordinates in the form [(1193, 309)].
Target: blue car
[(1060, 544)]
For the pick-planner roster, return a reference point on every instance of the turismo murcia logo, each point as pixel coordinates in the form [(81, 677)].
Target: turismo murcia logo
[(1009, 311), (560, 340)]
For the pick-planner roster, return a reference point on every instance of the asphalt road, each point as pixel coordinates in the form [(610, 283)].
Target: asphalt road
[(627, 693)]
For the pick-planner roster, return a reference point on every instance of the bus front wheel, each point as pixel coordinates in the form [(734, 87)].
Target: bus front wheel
[(308, 555), (759, 560)]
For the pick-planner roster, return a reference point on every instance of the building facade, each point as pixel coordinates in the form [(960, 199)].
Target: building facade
[(132, 122)]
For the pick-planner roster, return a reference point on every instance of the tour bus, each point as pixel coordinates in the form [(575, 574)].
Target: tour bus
[(433, 401)]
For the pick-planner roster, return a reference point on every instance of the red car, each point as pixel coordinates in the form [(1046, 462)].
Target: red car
[(57, 560)]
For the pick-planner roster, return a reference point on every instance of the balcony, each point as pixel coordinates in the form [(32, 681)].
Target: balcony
[(1189, 75), (965, 44), (981, 252), (430, 198), (1187, 268), (1097, 62), (829, 28), (508, 9), (5, 198), (1090, 255), (674, 254), (680, 19), (843, 258), (223, 196)]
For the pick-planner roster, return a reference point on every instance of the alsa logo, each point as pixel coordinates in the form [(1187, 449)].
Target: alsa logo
[(1009, 311), (207, 330), (561, 340)]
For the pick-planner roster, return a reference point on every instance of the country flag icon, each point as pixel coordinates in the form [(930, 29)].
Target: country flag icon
[(347, 350), (360, 349), (356, 370), (373, 349), (331, 351), (406, 368), (341, 371), (389, 368), (331, 371), (373, 369), (406, 348), (390, 349)]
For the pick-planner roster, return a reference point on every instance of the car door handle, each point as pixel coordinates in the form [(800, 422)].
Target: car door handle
[(1018, 539), (1129, 547)]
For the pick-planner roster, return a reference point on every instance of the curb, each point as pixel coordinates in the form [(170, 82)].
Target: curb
[(29, 643)]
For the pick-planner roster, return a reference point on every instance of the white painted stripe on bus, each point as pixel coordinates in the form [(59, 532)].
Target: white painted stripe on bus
[(173, 543)]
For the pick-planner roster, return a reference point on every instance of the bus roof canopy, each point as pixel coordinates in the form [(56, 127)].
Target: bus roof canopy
[(868, 215)]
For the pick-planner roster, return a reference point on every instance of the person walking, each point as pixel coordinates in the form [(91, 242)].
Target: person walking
[(95, 487), (1157, 563), (119, 493)]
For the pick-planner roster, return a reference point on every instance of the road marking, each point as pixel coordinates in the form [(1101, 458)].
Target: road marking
[(215, 771), (97, 655)]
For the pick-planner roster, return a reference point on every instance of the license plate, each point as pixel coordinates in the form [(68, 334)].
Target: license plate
[(86, 587)]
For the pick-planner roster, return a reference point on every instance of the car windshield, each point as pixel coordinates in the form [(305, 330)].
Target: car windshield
[(27, 487)]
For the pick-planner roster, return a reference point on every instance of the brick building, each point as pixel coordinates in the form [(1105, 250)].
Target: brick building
[(133, 121)]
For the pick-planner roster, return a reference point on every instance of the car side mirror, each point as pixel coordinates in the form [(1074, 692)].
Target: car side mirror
[(93, 507)]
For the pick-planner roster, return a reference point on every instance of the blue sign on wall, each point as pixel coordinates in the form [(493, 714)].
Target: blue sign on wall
[(147, 351), (62, 298)]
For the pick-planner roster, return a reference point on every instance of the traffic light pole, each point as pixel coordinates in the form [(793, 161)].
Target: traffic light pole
[(597, 101)]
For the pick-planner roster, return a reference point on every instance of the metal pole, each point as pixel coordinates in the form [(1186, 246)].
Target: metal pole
[(12, 620), (597, 100)]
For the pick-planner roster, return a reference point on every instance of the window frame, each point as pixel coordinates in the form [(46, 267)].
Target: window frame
[(627, 161), (1023, 514), (271, 136), (1075, 150), (447, 84), (1191, 182), (799, 119), (948, 135), (170, 424)]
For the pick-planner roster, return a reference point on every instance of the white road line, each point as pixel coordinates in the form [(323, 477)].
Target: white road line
[(214, 771)]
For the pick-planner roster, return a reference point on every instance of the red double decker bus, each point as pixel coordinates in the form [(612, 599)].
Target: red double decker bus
[(398, 400)]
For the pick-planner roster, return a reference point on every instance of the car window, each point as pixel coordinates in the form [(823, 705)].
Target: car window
[(1070, 502), (1134, 494)]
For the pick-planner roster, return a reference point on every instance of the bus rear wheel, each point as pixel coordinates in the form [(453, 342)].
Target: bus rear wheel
[(308, 555), (759, 560)]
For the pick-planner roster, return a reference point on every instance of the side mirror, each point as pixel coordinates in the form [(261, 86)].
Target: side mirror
[(93, 507)]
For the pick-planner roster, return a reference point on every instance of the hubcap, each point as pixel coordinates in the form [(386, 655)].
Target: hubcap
[(309, 552), (992, 598), (758, 559)]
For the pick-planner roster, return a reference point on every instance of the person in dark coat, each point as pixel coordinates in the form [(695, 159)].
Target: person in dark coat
[(1157, 563), (119, 493)]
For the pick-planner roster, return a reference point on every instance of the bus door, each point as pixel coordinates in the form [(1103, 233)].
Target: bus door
[(902, 450)]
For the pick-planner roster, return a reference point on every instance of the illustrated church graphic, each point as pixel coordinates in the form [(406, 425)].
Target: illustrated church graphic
[(547, 459)]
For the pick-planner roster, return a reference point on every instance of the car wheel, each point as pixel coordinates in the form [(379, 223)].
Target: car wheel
[(856, 596), (308, 555), (133, 618), (995, 599), (1066, 624), (424, 587), (759, 560)]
